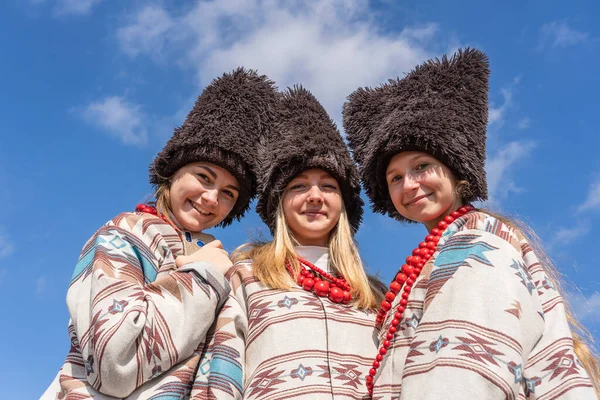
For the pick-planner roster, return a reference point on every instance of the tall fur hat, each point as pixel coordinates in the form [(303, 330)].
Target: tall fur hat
[(224, 128), (440, 108), (305, 137)]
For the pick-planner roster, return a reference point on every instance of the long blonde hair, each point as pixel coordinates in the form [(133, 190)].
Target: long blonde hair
[(582, 339), (269, 260)]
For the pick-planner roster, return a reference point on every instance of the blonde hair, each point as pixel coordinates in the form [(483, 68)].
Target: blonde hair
[(269, 260)]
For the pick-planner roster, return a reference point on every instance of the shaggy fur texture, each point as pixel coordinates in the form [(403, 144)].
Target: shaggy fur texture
[(440, 108), (305, 137), (224, 127)]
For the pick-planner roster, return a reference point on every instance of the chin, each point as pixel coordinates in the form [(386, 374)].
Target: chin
[(194, 226)]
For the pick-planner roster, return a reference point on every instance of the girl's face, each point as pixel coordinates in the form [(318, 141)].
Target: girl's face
[(312, 204), (422, 188), (202, 195)]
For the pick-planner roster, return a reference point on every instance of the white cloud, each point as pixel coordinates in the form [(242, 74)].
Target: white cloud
[(6, 247), (497, 113), (119, 117), (585, 308), (499, 165), (75, 7), (147, 33), (524, 123), (593, 199), (559, 34), (425, 32), (40, 285), (330, 46), (568, 235)]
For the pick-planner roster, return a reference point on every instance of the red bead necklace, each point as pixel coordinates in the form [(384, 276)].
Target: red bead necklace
[(145, 208), (327, 285), (407, 276)]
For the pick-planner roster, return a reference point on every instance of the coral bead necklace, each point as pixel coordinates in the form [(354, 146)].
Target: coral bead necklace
[(145, 208), (321, 283)]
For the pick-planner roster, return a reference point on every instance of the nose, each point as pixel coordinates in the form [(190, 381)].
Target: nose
[(315, 196), (211, 197), (410, 183)]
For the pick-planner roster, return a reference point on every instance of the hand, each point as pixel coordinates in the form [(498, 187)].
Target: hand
[(212, 253)]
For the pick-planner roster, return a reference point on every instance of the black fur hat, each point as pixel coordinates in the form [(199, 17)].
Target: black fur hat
[(440, 108), (304, 137), (224, 128)]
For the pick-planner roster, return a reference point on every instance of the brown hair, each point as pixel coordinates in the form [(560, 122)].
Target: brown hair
[(161, 199), (269, 260)]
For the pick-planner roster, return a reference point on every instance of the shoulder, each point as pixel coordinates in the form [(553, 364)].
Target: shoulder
[(142, 224), (140, 229), (129, 220), (480, 239), (482, 254), (241, 268), (241, 274), (480, 226)]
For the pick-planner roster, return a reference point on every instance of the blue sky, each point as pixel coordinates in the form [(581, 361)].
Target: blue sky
[(91, 90)]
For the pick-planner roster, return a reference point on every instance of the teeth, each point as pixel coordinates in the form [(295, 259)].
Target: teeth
[(200, 210)]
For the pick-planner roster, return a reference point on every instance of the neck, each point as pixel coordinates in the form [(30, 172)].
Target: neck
[(171, 218), (321, 242), (317, 255)]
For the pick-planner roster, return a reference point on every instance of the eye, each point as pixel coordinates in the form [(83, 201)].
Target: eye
[(204, 177), (330, 186), (229, 194), (422, 166), (297, 186), (396, 178)]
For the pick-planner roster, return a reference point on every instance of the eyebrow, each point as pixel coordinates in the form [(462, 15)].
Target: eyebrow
[(233, 187), (209, 170), (214, 175), (390, 171), (411, 159)]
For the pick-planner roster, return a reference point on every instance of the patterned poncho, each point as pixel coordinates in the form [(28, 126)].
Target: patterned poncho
[(137, 322), (483, 321), (277, 344)]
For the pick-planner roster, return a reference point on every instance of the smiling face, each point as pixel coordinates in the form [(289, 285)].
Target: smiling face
[(202, 195), (312, 204), (421, 187)]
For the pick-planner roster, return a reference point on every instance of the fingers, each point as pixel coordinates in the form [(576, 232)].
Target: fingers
[(215, 243), (181, 261), (223, 253)]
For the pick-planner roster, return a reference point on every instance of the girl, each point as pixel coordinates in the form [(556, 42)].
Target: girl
[(142, 298), (299, 322), (475, 313)]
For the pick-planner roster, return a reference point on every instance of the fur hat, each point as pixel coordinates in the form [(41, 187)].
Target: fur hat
[(304, 137), (224, 128), (440, 108)]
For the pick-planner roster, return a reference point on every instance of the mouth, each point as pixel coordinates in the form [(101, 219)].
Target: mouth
[(314, 213), (416, 199), (200, 209)]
